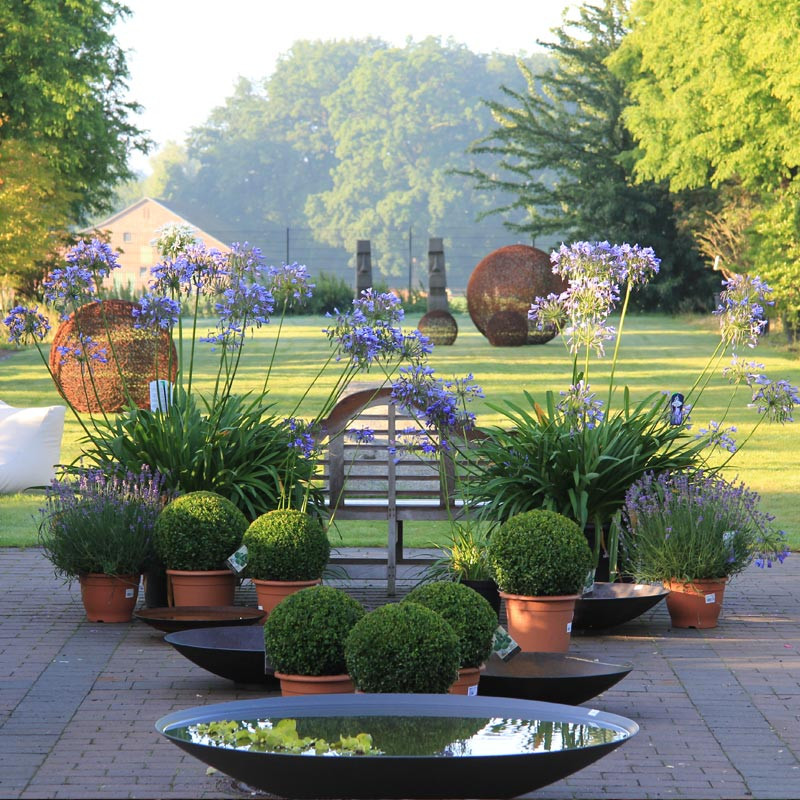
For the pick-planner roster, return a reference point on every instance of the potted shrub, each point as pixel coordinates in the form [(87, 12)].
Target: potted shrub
[(693, 531), (287, 550), (194, 534), (304, 640), (540, 560), (402, 647), (473, 620), (99, 529)]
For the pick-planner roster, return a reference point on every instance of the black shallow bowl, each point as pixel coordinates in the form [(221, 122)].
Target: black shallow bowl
[(181, 618), (551, 677), (232, 652), (610, 604), (507, 774)]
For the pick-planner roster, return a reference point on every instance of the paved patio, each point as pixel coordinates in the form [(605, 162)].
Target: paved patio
[(719, 710)]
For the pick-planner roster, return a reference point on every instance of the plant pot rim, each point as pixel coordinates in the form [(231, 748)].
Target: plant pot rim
[(313, 678), (128, 577), (509, 596), (202, 571), (271, 581)]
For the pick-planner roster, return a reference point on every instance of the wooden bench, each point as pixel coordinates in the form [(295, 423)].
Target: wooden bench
[(388, 478)]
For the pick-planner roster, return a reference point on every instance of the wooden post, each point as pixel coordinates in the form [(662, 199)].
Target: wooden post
[(437, 279), (363, 266)]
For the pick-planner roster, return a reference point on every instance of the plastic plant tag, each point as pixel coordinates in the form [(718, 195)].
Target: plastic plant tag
[(128, 594), (711, 598), (588, 583), (504, 645), (160, 395), (472, 691), (569, 627), (237, 560)]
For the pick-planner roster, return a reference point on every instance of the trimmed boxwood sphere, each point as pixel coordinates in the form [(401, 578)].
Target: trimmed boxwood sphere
[(402, 647), (198, 531), (469, 614), (286, 545), (305, 633), (539, 553)]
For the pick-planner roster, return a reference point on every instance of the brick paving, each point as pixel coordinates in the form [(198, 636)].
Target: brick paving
[(719, 710)]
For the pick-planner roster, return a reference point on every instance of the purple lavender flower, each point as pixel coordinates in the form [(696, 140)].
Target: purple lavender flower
[(26, 325)]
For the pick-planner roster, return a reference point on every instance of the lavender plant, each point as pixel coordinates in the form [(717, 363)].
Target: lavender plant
[(100, 523), (694, 525), (580, 451)]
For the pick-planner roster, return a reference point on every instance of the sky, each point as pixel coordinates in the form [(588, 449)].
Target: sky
[(185, 56)]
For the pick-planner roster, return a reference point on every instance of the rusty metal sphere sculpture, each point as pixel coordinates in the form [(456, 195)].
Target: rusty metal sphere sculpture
[(140, 355), (439, 326), (501, 289)]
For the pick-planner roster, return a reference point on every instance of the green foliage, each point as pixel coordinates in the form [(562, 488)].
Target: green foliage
[(464, 555), (565, 133), (402, 647), (539, 553), (305, 633), (713, 90), (237, 448), (330, 293), (469, 614), (198, 531), (694, 526), (64, 80), (286, 545), (542, 461), (97, 524)]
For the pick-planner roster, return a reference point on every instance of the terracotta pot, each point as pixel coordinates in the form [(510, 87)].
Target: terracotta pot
[(696, 604), (540, 624), (467, 681), (109, 598), (293, 685), (216, 587), (270, 593)]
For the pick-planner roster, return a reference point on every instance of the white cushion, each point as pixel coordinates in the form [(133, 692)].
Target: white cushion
[(30, 446)]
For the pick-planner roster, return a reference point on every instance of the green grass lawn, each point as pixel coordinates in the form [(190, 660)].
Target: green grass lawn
[(658, 353)]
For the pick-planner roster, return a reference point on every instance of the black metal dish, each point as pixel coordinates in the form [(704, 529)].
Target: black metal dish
[(610, 604), (550, 677), (232, 652), (508, 773), (181, 618)]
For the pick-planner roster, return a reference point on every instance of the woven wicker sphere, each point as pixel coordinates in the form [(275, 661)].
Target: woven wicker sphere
[(135, 352), (500, 292), (439, 326)]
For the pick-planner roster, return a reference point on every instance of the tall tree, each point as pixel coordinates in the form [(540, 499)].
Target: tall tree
[(402, 121), (715, 88), (565, 158), (62, 105)]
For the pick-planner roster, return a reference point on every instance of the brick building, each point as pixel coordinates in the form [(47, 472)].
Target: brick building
[(131, 232)]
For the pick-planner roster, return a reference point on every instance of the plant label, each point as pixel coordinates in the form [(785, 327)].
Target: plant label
[(504, 645), (569, 627), (472, 691), (711, 598), (128, 594), (237, 560), (160, 395)]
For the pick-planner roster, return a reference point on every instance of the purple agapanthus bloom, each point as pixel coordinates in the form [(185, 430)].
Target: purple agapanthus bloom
[(580, 406), (26, 325), (741, 310), (303, 440), (156, 312), (289, 282), (67, 288), (718, 436), (84, 351), (95, 256), (776, 399)]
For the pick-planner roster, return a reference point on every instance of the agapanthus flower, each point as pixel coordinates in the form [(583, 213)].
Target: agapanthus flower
[(173, 238), (203, 269), (717, 435), (741, 310), (581, 407), (303, 439), (26, 325), (85, 350), (95, 256), (776, 399), (289, 282), (156, 311), (67, 288), (362, 435), (741, 371)]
